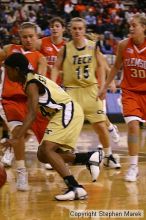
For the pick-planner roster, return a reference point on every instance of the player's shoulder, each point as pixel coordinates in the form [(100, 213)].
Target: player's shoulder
[(45, 41), (123, 43)]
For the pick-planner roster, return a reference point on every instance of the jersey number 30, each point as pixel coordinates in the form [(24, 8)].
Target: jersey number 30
[(138, 73)]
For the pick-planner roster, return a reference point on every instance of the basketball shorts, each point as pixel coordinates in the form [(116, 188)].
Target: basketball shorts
[(14, 113), (134, 105), (65, 126), (86, 97)]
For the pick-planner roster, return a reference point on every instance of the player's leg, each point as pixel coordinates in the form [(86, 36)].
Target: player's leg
[(58, 136), (13, 115), (96, 116), (21, 171), (134, 112), (110, 160), (133, 148), (8, 155)]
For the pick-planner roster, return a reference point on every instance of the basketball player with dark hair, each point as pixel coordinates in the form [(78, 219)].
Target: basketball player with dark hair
[(66, 121)]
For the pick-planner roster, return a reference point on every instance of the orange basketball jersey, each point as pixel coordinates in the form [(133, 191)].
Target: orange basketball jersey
[(50, 51), (13, 98), (134, 65), (13, 90)]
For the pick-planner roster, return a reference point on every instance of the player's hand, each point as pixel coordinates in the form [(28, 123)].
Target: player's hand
[(8, 143), (102, 93), (4, 144), (112, 87), (12, 142)]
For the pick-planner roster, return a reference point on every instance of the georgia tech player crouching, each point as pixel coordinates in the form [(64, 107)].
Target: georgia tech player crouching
[(60, 136)]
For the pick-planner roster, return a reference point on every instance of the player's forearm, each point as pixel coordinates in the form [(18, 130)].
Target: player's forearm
[(54, 73), (42, 67), (101, 76), (26, 125), (111, 77)]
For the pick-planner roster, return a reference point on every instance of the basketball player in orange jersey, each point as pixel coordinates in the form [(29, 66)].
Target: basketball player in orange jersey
[(13, 104), (131, 55), (50, 46)]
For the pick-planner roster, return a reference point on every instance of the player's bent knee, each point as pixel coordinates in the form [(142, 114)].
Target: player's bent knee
[(40, 155)]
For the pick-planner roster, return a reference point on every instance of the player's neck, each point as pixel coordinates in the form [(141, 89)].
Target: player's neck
[(80, 43), (56, 40), (139, 41), (30, 49)]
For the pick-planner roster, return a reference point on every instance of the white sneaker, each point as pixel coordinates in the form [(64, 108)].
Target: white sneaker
[(112, 161), (132, 174), (22, 180), (48, 166), (8, 157), (94, 164), (73, 194), (114, 134)]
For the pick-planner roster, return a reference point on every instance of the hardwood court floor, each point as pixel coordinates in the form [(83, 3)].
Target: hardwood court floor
[(110, 192)]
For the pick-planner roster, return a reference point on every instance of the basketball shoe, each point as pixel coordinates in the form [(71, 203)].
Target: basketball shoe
[(112, 161), (94, 163), (76, 193), (114, 134), (48, 166), (132, 174), (22, 180)]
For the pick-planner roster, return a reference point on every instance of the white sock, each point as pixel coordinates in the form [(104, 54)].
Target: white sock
[(20, 164), (133, 160), (107, 151)]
